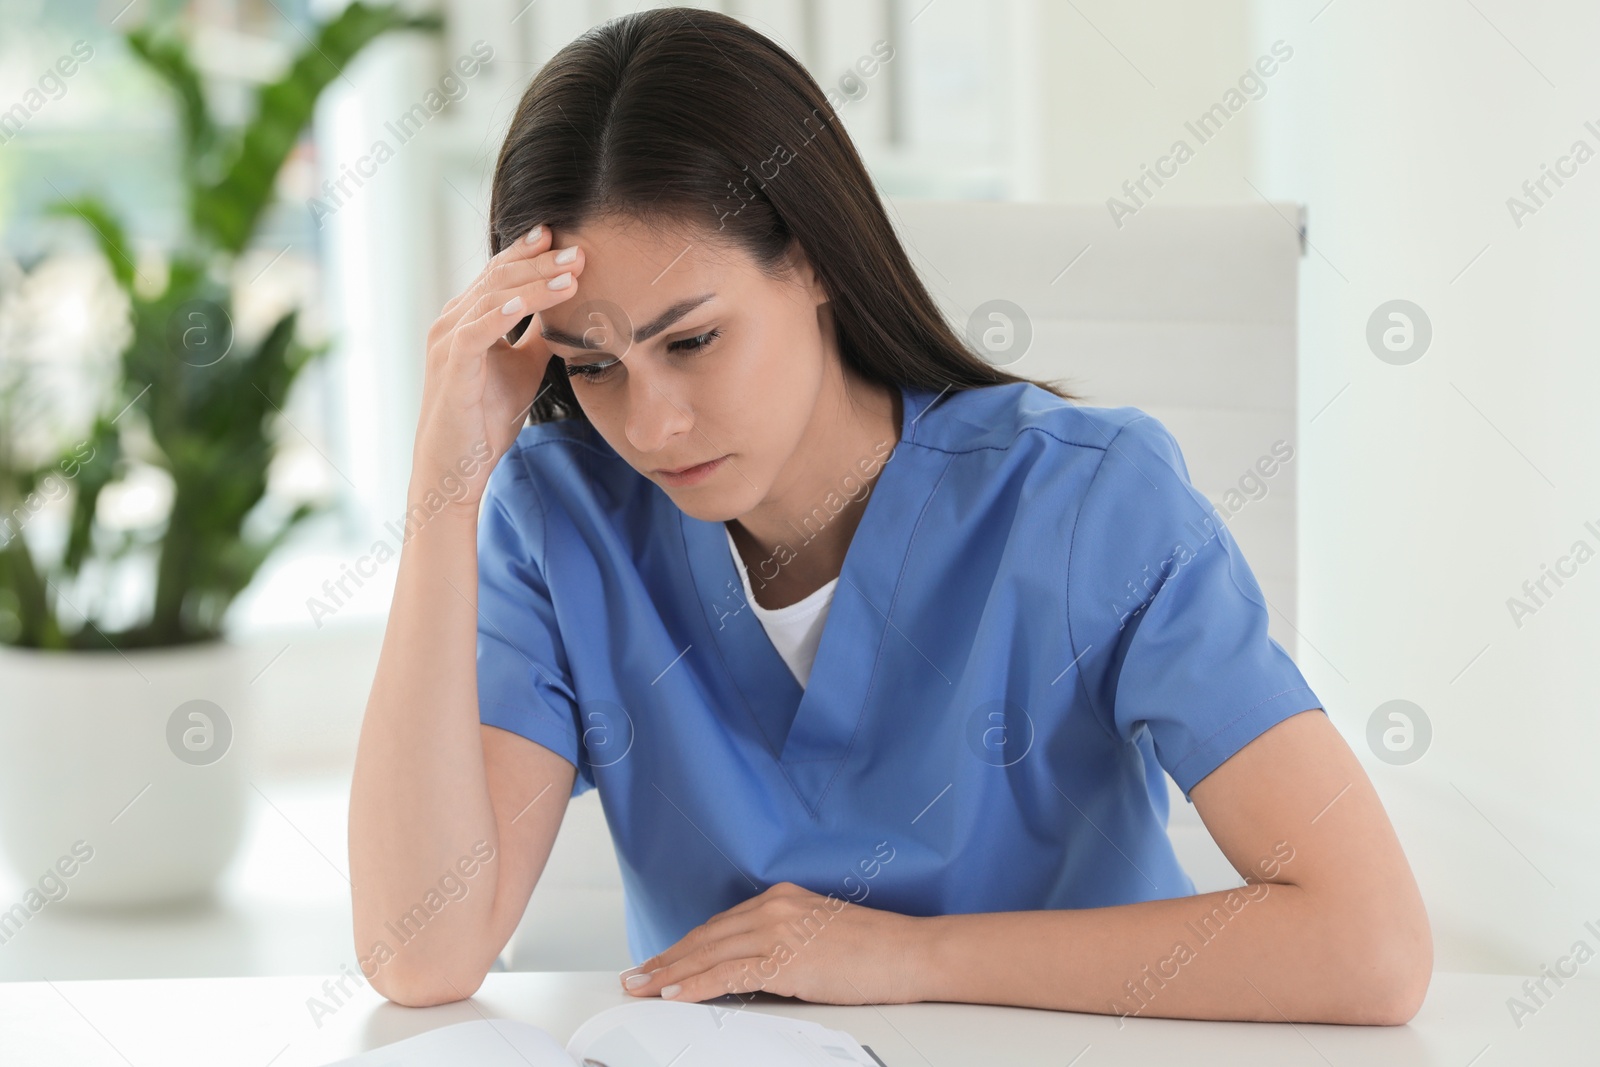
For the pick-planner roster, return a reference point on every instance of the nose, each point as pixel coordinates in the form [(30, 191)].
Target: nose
[(655, 416)]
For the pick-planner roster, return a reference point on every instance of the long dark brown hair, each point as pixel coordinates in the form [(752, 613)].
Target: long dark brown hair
[(670, 117)]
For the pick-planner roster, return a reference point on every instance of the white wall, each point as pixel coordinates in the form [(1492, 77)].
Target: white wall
[(1119, 82), (1431, 491)]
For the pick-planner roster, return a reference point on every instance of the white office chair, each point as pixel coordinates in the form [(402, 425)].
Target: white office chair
[(1188, 313), (574, 922)]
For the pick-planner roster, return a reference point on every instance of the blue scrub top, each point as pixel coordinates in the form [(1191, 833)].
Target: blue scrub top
[(1037, 615)]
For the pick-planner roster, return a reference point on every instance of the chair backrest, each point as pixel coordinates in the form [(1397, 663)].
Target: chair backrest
[(1188, 313), (575, 921)]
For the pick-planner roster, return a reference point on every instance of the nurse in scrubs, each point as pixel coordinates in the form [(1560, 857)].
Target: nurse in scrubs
[(878, 656)]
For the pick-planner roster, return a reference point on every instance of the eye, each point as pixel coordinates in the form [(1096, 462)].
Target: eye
[(600, 371), (695, 344), (591, 372)]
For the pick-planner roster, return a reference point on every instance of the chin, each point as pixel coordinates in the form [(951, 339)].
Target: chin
[(710, 505), (705, 510)]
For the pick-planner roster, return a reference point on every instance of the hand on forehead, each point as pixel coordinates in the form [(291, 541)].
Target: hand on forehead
[(639, 280)]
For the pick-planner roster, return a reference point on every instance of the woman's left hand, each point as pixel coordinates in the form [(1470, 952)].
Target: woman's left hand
[(794, 943)]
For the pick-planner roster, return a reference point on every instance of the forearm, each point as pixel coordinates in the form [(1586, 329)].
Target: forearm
[(419, 798), (1277, 954)]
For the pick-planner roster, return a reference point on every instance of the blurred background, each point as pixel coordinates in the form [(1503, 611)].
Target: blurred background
[(1442, 510)]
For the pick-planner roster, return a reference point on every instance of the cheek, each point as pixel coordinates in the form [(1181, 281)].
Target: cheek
[(607, 416), (767, 392), (780, 339), (781, 369)]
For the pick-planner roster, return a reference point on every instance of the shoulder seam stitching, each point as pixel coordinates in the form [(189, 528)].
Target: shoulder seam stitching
[(1107, 722)]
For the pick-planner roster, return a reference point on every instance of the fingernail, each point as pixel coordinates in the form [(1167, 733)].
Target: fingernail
[(512, 306), (560, 281), (636, 981), (671, 991), (534, 234), (567, 255)]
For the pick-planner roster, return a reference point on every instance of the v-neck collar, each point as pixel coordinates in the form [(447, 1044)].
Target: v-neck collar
[(828, 710), (807, 605)]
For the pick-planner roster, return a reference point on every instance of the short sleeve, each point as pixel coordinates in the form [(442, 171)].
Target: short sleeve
[(524, 679), (1168, 621)]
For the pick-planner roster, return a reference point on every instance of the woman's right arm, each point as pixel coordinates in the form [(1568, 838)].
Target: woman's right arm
[(435, 794)]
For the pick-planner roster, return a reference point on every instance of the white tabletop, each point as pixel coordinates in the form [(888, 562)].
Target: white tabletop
[(257, 1022)]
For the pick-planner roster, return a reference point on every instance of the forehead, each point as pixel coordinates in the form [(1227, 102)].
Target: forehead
[(638, 270)]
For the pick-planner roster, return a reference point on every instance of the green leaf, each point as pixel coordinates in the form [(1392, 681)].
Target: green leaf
[(26, 598), (91, 471), (228, 209), (108, 230), (275, 366), (169, 58), (238, 566)]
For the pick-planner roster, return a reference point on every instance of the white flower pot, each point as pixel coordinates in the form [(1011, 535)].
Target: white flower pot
[(93, 759)]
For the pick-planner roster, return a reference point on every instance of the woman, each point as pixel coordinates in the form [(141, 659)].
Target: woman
[(877, 655)]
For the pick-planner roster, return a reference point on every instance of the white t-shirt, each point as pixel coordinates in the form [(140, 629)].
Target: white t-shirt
[(794, 630)]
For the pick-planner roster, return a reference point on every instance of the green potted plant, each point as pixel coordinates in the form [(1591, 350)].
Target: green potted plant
[(118, 738)]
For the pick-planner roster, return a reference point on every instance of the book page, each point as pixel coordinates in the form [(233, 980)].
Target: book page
[(481, 1043), (659, 1033)]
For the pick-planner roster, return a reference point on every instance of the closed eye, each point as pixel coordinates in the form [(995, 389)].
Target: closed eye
[(696, 343), (594, 372), (591, 372)]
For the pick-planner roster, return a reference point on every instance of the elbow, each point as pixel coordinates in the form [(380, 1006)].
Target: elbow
[(437, 964), (1407, 987), (1395, 1003), (1388, 979), (1392, 999), (413, 989), (413, 981)]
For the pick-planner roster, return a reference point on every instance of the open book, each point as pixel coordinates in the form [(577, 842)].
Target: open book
[(650, 1033)]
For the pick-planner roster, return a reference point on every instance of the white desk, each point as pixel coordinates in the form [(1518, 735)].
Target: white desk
[(257, 1022)]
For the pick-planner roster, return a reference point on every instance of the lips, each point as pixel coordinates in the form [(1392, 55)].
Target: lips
[(684, 477), (690, 467)]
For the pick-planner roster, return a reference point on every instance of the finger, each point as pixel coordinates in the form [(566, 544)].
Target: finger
[(740, 977), (530, 337), (530, 280), (676, 951), (688, 942), (547, 267), (442, 334), (522, 276), (494, 314), (515, 273), (501, 282), (706, 956), (519, 250), (515, 279)]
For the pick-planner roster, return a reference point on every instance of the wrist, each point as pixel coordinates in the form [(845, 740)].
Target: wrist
[(439, 493), (925, 962), (437, 487), (428, 507)]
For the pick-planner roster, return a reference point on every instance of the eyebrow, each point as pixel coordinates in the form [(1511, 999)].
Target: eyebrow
[(643, 333)]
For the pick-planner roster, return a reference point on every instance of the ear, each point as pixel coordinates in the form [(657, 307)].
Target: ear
[(805, 275)]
